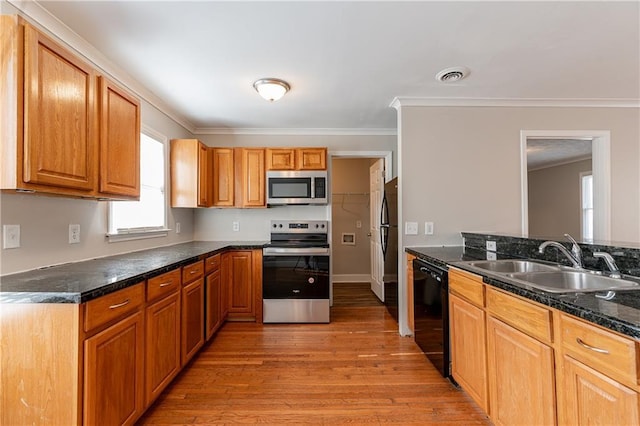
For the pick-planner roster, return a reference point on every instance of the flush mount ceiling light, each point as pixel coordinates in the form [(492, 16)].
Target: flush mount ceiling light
[(271, 89), (453, 74)]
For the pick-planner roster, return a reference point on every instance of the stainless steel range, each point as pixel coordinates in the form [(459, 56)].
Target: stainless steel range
[(295, 285)]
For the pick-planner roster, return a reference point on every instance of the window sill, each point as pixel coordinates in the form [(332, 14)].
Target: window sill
[(137, 235)]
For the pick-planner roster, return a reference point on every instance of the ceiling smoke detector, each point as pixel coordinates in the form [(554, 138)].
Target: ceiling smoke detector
[(453, 74)]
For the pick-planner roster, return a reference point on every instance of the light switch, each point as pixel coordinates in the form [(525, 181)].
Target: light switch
[(411, 228), (236, 226), (491, 245), (10, 236)]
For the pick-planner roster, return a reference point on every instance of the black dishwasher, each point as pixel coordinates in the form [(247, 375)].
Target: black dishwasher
[(431, 313)]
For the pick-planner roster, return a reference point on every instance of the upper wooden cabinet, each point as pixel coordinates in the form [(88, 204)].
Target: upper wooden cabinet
[(250, 177), (119, 141), (296, 158), (281, 159), (190, 174), (223, 177), (311, 158), (61, 131)]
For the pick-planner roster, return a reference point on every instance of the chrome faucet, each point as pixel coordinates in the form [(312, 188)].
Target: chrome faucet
[(608, 259), (575, 255)]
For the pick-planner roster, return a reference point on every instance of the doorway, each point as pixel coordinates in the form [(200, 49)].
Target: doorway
[(351, 219)]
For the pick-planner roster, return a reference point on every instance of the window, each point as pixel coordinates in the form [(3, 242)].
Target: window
[(586, 205), (148, 217)]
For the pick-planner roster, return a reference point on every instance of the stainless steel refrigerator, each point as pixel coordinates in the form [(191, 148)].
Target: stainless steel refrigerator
[(389, 239)]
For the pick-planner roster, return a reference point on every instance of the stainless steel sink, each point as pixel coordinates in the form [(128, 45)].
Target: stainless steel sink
[(566, 281), (512, 265)]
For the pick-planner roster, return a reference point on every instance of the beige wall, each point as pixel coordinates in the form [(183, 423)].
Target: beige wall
[(44, 221), (460, 166), (216, 224), (350, 195), (554, 199)]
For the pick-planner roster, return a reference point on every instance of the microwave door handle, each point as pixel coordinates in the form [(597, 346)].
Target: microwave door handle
[(312, 183)]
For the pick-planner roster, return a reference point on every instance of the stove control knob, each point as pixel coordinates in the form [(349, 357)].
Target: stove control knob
[(317, 225), (280, 226), (322, 226), (275, 226)]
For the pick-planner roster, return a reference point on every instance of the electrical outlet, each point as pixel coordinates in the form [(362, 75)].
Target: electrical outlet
[(411, 228), (236, 226), (428, 228), (491, 255), (358, 224), (10, 236), (491, 245), (74, 234), (178, 227)]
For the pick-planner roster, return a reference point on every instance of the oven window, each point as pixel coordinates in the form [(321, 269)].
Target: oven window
[(290, 188), (295, 277)]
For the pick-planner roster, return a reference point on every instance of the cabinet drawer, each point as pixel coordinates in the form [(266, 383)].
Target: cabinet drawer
[(106, 308), (163, 284), (467, 285), (613, 355), (525, 316), (212, 263), (192, 272)]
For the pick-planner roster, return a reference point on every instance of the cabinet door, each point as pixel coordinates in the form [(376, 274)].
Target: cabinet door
[(119, 141), (241, 297), (113, 374), (192, 319), (204, 183), (251, 177), (162, 345), (223, 177), (312, 159), (521, 377), (281, 159), (213, 309), (468, 344), (60, 145), (591, 398)]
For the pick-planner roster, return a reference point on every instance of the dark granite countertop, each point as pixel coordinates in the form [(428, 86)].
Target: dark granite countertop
[(80, 282), (620, 313)]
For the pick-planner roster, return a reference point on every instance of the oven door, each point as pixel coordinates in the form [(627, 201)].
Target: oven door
[(288, 275)]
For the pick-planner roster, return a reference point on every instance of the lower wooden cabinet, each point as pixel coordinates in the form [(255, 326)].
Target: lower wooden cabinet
[(468, 349), (591, 398), (521, 377), (162, 360), (114, 372), (192, 319), (242, 275)]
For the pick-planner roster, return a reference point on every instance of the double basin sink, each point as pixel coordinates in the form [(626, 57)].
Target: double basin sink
[(553, 278)]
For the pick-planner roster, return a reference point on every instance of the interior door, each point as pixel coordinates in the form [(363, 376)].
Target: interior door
[(376, 192)]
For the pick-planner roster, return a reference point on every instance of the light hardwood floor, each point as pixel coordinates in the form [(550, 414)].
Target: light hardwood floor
[(355, 370)]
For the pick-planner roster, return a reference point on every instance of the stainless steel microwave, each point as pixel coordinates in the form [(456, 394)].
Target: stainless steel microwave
[(297, 187)]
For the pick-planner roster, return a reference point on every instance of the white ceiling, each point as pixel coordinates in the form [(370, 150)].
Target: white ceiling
[(346, 61), (543, 153)]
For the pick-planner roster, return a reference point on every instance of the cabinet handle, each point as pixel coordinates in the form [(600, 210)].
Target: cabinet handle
[(192, 272), (119, 305), (166, 284), (593, 348)]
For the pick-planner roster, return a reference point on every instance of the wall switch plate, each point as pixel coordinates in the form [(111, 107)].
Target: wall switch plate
[(411, 228), (428, 228), (491, 245), (10, 236), (358, 224), (236, 226), (491, 255), (74, 234), (178, 227)]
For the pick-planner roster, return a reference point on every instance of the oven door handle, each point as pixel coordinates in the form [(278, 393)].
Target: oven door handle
[(277, 251)]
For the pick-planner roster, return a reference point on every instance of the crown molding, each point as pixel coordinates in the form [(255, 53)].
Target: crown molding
[(513, 102), (37, 14), (296, 131)]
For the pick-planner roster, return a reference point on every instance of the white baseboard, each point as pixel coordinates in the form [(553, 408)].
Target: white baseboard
[(351, 278)]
